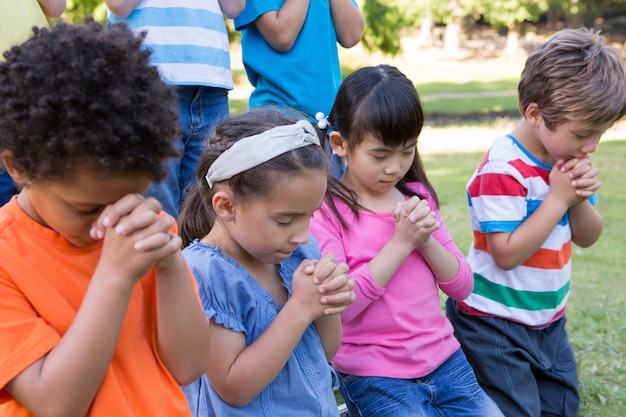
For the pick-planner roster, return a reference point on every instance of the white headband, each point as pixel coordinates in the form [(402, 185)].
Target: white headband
[(255, 150)]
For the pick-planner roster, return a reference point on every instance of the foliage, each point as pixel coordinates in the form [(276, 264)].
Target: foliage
[(509, 12), (385, 20), (77, 10)]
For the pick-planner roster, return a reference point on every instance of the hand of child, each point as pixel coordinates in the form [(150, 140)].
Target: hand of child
[(564, 188), (136, 237), (305, 292), (334, 283), (415, 222), (582, 175)]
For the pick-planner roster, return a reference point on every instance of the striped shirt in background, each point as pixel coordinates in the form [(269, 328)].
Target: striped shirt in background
[(188, 39)]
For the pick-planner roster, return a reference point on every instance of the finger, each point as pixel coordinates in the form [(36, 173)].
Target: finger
[(112, 213), (153, 242), (143, 219), (324, 268), (397, 211), (420, 212), (163, 246), (427, 223), (339, 298), (123, 207), (340, 282), (565, 166), (410, 205)]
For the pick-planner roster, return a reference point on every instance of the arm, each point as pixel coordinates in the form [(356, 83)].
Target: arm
[(349, 22), (281, 28), (65, 381), (511, 249), (336, 289), (586, 224), (585, 220), (232, 8), (52, 8), (415, 222), (182, 328), (238, 372), (121, 8)]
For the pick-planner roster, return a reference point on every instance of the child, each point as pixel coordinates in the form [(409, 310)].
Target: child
[(289, 50), (98, 314), (273, 308), (398, 356), (531, 197), (189, 45)]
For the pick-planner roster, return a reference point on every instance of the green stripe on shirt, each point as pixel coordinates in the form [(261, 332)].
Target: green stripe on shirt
[(525, 300)]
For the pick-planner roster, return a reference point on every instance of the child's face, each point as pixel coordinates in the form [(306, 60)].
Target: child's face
[(71, 206), (571, 139), (270, 228), (375, 168)]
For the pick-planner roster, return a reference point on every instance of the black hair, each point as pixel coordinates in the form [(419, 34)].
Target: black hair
[(85, 96), (382, 102)]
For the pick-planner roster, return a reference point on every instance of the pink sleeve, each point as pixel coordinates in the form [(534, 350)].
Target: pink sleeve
[(460, 287), (330, 236)]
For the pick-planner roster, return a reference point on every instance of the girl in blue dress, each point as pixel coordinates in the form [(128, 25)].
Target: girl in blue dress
[(272, 301)]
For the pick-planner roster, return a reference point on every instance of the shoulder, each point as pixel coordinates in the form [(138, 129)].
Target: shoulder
[(209, 265)]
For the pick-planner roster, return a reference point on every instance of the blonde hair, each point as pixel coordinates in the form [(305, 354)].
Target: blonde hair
[(574, 75)]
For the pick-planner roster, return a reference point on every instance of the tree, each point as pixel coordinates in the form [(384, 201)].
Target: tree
[(511, 14)]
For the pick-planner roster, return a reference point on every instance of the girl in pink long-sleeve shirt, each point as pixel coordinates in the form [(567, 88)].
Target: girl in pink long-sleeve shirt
[(398, 355)]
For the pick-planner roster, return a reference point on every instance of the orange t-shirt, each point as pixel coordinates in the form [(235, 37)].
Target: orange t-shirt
[(43, 279)]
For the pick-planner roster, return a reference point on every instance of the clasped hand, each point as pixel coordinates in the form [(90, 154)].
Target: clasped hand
[(323, 287), (415, 222), (136, 236)]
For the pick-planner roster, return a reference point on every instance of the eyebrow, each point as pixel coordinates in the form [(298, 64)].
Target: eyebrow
[(388, 149)]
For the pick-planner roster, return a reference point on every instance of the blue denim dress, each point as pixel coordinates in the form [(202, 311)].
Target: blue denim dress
[(233, 299)]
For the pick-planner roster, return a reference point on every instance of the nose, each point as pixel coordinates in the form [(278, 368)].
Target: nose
[(591, 145), (393, 166), (301, 236)]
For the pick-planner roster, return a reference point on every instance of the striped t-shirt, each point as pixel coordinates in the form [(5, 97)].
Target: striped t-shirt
[(507, 187), (188, 39)]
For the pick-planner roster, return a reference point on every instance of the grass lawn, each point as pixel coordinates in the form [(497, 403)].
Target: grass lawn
[(453, 98), (597, 306)]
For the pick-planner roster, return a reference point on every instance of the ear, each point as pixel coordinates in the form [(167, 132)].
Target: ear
[(338, 143), (8, 161), (533, 115), (223, 205)]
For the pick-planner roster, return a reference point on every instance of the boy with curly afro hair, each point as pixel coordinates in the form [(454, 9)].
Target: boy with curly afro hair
[(99, 314)]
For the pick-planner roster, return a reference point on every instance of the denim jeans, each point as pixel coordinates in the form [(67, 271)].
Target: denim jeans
[(200, 109), (451, 390), (8, 188), (528, 372)]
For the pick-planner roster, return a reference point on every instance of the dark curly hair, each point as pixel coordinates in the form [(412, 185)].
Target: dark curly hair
[(85, 96)]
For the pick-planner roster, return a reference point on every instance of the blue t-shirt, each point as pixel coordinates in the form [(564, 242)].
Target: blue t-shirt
[(307, 76), (234, 299)]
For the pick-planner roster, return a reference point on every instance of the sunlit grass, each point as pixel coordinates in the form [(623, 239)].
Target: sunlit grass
[(452, 98)]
